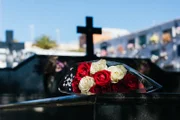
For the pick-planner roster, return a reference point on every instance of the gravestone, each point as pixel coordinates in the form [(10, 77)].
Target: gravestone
[(89, 30), (96, 107), (9, 41), (10, 44)]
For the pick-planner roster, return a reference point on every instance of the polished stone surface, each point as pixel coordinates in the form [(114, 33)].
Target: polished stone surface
[(154, 106)]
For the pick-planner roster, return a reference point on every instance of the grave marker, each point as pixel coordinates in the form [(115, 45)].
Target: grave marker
[(89, 30), (10, 44), (9, 39)]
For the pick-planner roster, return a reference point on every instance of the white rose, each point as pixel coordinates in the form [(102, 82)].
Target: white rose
[(85, 84), (117, 73), (97, 66)]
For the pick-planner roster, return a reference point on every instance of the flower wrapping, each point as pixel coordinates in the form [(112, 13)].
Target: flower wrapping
[(102, 76)]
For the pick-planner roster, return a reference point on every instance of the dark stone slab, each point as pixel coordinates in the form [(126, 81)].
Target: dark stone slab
[(14, 98), (106, 107), (22, 79)]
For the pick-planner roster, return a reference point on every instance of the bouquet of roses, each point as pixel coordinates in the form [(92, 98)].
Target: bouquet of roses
[(95, 77)]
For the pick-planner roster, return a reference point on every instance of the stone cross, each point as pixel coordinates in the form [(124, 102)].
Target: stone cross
[(10, 44), (89, 31), (9, 39)]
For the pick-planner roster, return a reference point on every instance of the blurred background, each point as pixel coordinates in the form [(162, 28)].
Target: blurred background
[(130, 29)]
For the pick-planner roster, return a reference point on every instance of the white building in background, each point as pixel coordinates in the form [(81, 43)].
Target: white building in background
[(143, 37), (61, 50), (107, 34), (115, 32), (68, 46), (158, 43)]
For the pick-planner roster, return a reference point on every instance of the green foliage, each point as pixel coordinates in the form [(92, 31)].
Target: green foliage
[(45, 42), (78, 50)]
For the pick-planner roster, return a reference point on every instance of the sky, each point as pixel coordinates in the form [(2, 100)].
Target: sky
[(28, 18)]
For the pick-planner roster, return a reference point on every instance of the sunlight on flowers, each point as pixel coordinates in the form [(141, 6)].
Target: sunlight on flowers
[(117, 73), (97, 66), (85, 84)]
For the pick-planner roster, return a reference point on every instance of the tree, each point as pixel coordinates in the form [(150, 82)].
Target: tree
[(45, 42)]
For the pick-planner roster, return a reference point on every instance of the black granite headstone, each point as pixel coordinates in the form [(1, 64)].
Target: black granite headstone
[(98, 107)]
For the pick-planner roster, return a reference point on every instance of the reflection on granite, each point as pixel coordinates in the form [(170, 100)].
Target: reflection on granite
[(13, 98), (154, 106)]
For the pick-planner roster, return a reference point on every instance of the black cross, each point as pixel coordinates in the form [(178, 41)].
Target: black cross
[(89, 31), (9, 39), (10, 44)]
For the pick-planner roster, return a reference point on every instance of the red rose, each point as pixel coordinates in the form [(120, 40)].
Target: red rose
[(106, 88), (101, 89), (83, 70), (141, 88), (119, 87), (75, 84), (131, 81), (124, 89), (102, 77), (95, 89), (115, 88)]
